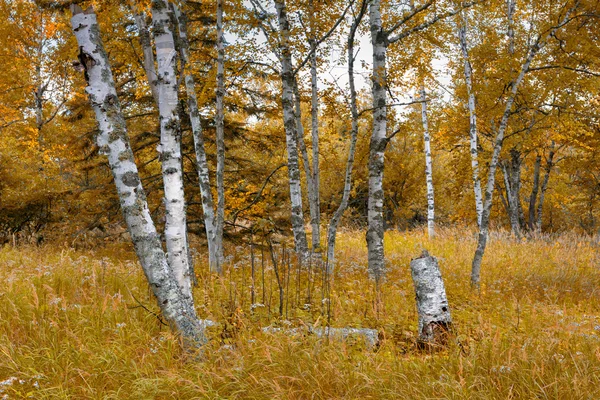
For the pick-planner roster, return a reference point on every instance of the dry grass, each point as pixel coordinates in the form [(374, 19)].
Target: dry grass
[(71, 326)]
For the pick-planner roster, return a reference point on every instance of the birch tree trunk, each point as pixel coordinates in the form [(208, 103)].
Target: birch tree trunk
[(432, 304), (377, 145), (487, 206), (337, 216), (113, 141), (314, 112), (462, 34), (549, 165), (220, 128), (428, 167), (170, 146), (512, 208), (510, 32), (289, 121), (512, 181), (147, 51), (199, 147), (310, 184), (534, 192)]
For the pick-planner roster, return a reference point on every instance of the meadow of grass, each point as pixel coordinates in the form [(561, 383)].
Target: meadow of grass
[(82, 325)]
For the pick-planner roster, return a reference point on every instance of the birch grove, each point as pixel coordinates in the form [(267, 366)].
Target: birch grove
[(362, 155)]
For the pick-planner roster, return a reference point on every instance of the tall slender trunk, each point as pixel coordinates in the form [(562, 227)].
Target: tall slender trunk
[(510, 31), (113, 141), (170, 145), (548, 168), (534, 192), (289, 122), (310, 184), (147, 51), (337, 216), (314, 112), (428, 166), (462, 34), (487, 206), (220, 127), (512, 209), (512, 178), (199, 147), (377, 145)]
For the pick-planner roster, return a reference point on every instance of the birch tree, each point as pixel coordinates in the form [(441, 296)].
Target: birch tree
[(170, 145), (337, 216), (381, 38), (208, 210), (468, 72), (175, 304), (428, 166), (219, 122), (291, 134), (537, 45)]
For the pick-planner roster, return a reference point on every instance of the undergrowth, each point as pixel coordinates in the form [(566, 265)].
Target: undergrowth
[(82, 325)]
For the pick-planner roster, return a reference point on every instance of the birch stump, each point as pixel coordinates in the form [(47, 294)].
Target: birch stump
[(432, 304)]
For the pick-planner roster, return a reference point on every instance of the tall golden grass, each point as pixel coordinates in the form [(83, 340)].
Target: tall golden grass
[(82, 325)]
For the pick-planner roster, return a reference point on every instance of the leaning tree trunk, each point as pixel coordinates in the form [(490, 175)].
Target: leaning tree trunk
[(337, 216), (113, 140), (199, 147), (432, 304), (428, 167), (487, 206), (462, 33), (170, 145), (549, 165), (377, 145), (289, 122), (220, 128)]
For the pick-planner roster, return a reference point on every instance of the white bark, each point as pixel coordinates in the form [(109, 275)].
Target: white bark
[(291, 135), (510, 31), (370, 336), (428, 167), (487, 206), (337, 216), (314, 112), (462, 34), (147, 51), (377, 145), (220, 128), (200, 150), (170, 146), (310, 184), (113, 141), (432, 304)]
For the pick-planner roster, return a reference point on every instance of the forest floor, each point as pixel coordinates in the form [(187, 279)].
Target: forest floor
[(80, 324)]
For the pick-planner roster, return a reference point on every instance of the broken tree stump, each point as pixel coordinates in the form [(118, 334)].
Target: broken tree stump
[(432, 305)]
